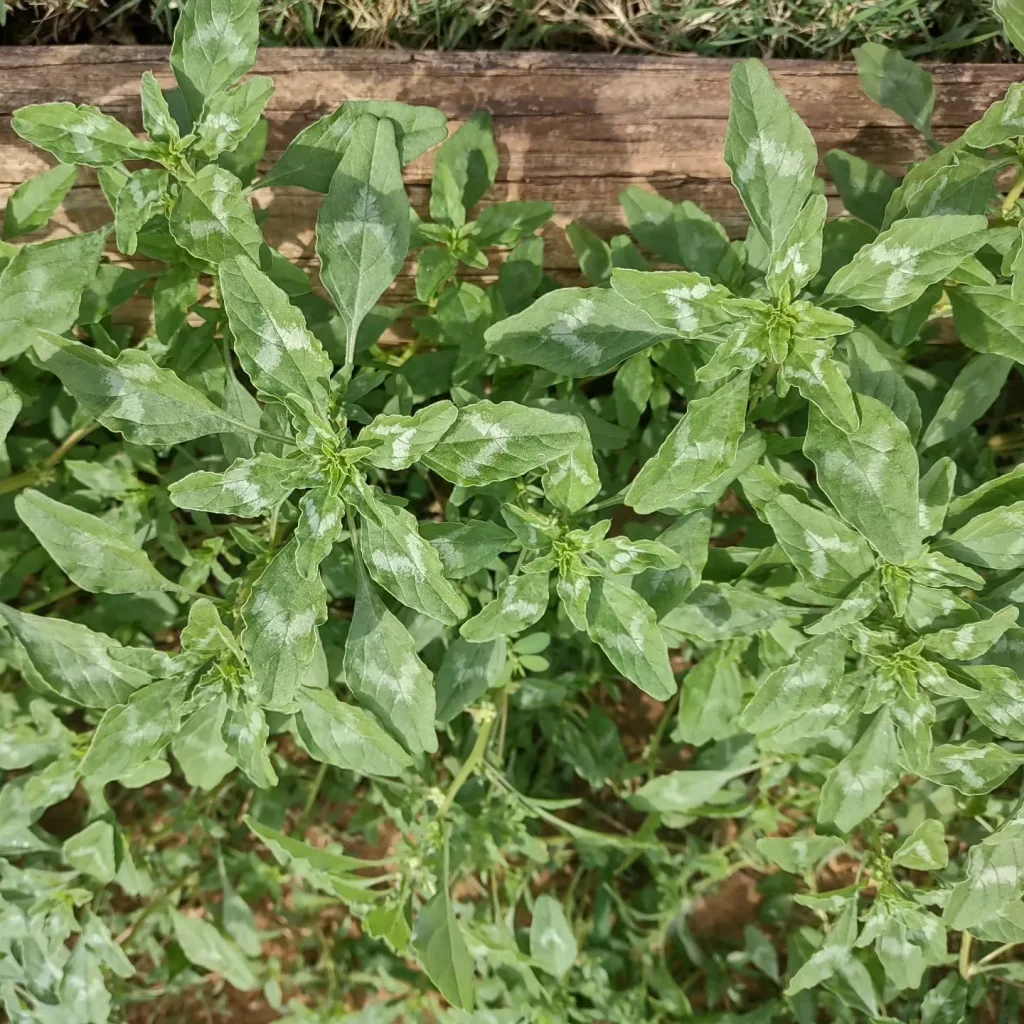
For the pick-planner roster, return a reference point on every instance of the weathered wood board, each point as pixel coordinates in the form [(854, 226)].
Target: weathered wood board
[(574, 129)]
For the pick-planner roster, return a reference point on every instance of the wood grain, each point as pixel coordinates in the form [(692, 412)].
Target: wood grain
[(574, 129)]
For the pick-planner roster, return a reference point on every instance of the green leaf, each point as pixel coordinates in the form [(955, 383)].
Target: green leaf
[(362, 230), (91, 851), (681, 233), (230, 116), (78, 135), (199, 746), (313, 155), (925, 848), (552, 943), (993, 539), (968, 398), (989, 319), (141, 199), (42, 287), (36, 200), (466, 548), (247, 488), (73, 660), (205, 947), (215, 44), (898, 266), (712, 697), (276, 350), (491, 442), (467, 671), (147, 403), (469, 160), (863, 779), (865, 190), (871, 477), (593, 253), (384, 673), (405, 565), (970, 767), (506, 223), (1011, 14), (1003, 121), (400, 441), (819, 544), (770, 152), (346, 736), (280, 636), (632, 390), (623, 624), (576, 332), (892, 81), (95, 554), (680, 792), (701, 447), (441, 949), (799, 686), (522, 600), (213, 220), (133, 733), (799, 854)]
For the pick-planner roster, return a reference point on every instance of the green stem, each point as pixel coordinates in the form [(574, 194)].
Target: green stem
[(476, 756), (966, 940), (39, 473), (34, 606), (1015, 193), (314, 792)]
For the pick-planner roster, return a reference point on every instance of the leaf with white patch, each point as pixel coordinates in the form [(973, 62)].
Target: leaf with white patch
[(989, 319), (899, 265), (199, 745), (992, 539), (73, 660), (133, 733), (573, 479), (522, 600), (861, 781), (809, 681), (229, 116), (405, 565), (276, 349), (552, 943), (995, 878), (973, 639), (893, 81), (925, 848), (681, 792), (701, 447), (215, 43), (576, 332), (206, 947), (321, 523), (871, 477), (819, 544), (798, 258), (362, 230), (213, 220), (148, 404), (36, 200), (491, 442), (247, 488), (623, 624), (95, 554), (466, 548), (384, 673), (346, 736), (970, 767), (400, 441), (811, 368), (141, 199), (280, 636), (41, 286), (91, 851), (244, 733), (770, 152), (78, 135), (1002, 122)]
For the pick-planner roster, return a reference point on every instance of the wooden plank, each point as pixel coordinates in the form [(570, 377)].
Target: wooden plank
[(574, 129)]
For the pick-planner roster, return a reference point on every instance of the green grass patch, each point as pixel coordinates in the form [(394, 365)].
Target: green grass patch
[(938, 29)]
